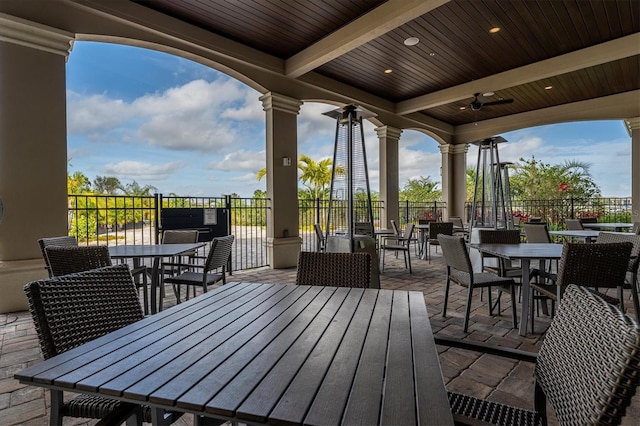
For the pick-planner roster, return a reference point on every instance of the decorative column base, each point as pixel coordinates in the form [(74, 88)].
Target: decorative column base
[(13, 276), (283, 252)]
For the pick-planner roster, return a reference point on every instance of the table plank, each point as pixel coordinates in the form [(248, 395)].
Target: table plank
[(398, 395), (432, 400), (344, 340)]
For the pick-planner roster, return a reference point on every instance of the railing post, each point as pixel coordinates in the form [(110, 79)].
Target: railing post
[(318, 210), (406, 211), (572, 209), (157, 198)]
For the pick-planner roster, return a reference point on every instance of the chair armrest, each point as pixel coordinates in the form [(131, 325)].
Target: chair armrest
[(502, 351)]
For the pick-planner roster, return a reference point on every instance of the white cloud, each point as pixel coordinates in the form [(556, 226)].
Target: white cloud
[(95, 113), (251, 110), (242, 160), (138, 170)]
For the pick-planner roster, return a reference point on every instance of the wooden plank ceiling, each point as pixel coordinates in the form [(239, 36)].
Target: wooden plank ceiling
[(456, 49)]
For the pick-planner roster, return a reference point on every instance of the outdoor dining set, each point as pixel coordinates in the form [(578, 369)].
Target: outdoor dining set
[(332, 349)]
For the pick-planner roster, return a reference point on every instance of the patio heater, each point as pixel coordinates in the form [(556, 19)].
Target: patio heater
[(491, 206), (350, 213)]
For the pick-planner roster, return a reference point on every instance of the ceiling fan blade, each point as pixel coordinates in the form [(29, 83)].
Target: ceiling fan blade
[(500, 102)]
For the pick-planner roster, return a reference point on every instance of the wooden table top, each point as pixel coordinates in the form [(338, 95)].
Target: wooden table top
[(270, 353), (151, 250), (522, 251)]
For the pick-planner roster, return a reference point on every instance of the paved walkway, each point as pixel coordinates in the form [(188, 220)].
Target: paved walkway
[(486, 376)]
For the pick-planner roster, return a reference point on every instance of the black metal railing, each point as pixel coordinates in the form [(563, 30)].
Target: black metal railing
[(124, 219)]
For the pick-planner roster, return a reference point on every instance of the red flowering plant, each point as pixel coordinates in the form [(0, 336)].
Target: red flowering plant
[(519, 216), (564, 187)]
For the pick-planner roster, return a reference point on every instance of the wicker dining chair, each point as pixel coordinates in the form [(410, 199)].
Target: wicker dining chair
[(573, 224), (213, 270), (632, 268), (54, 241), (65, 260), (460, 271), (588, 367), (435, 229), (601, 265), (334, 269), (103, 300)]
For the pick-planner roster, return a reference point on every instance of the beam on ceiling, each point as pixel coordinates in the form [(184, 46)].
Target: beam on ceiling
[(613, 50), (379, 21)]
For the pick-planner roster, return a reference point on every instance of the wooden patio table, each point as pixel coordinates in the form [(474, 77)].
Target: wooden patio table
[(616, 226), (269, 353), (156, 252), (525, 253)]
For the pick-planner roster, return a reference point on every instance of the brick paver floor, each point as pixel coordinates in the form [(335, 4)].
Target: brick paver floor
[(487, 376)]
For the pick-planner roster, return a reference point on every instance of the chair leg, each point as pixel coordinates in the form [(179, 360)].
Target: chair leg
[(514, 315), (145, 293), (446, 295), (467, 310), (409, 259), (634, 295), (383, 253)]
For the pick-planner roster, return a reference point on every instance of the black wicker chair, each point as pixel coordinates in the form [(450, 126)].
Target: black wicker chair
[(632, 267), (65, 260), (334, 269), (435, 229), (217, 259), (460, 271), (74, 309), (54, 241), (586, 264), (588, 367)]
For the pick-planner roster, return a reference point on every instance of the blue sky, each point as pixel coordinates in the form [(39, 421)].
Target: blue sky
[(161, 120)]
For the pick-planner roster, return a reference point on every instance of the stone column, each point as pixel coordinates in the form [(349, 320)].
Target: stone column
[(454, 178), (283, 241), (389, 175), (634, 127), (33, 150)]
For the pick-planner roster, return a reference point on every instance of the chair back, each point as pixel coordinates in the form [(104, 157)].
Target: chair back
[(634, 262), (457, 221), (408, 232), (537, 233), (180, 236), (394, 225), (535, 219), (588, 220), (320, 244), (334, 269), (455, 253), (426, 221), (54, 241), (71, 259), (636, 228), (363, 228), (219, 254), (588, 364), (573, 224), (436, 228), (594, 264), (499, 236), (96, 302)]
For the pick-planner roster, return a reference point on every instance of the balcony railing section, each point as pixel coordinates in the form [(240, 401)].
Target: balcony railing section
[(125, 219)]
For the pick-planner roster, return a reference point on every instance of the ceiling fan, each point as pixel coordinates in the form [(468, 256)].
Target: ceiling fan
[(477, 104)]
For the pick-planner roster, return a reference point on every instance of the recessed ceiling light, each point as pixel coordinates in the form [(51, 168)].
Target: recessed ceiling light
[(432, 53), (548, 87), (462, 108), (411, 41), (487, 94), (494, 30), (388, 71)]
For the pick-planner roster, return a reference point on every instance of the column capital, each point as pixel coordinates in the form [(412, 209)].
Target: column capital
[(462, 148), (37, 36), (279, 102), (388, 132)]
